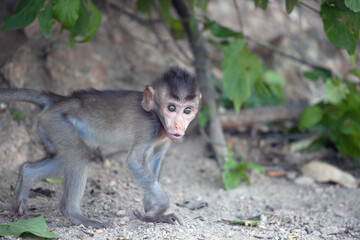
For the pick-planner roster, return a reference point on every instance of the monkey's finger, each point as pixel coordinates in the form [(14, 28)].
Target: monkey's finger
[(138, 214), (108, 224), (171, 219)]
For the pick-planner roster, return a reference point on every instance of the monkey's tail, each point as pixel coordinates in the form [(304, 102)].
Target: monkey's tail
[(42, 99)]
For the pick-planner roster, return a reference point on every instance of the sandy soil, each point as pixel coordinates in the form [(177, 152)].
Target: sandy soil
[(286, 209)]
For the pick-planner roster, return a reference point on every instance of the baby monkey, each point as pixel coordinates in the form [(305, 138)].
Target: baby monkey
[(72, 126)]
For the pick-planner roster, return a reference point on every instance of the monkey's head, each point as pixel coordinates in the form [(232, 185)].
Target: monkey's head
[(176, 100)]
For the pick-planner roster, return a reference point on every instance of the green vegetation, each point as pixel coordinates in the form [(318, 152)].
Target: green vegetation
[(234, 170), (34, 226), (335, 119), (73, 15)]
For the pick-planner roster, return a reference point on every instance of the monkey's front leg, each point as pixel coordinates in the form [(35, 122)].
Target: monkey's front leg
[(156, 202)]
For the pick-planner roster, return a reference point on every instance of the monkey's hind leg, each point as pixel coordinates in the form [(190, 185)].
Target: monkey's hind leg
[(75, 156), (42, 133), (30, 173)]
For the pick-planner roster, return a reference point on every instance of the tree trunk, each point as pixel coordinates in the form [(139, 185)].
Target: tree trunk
[(202, 66)]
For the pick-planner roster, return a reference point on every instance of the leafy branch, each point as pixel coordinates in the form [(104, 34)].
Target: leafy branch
[(335, 120), (73, 15)]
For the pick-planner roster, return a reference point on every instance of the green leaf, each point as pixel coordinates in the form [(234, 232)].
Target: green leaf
[(267, 91), (348, 145), (316, 74), (230, 163), (335, 91), (72, 41), (290, 4), (353, 5), (54, 180), (351, 128), (220, 31), (240, 71), (46, 21), (244, 176), (355, 72), (82, 24), (353, 97), (276, 83), (94, 23), (310, 117), (233, 171), (230, 175), (274, 78), (231, 179), (262, 3), (255, 167), (17, 114), (202, 4), (66, 12), (144, 6), (26, 12), (177, 29), (341, 25), (204, 116), (35, 226)]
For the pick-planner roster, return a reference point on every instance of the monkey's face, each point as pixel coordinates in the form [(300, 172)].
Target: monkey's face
[(175, 104), (177, 115)]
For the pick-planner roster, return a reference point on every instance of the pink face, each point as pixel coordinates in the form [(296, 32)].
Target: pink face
[(178, 115), (175, 115)]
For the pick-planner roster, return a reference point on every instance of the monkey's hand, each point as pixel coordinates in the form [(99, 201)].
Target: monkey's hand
[(149, 217), (156, 202)]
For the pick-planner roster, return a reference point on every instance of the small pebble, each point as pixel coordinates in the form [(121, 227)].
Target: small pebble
[(124, 220), (121, 213), (107, 164), (3, 106), (291, 175)]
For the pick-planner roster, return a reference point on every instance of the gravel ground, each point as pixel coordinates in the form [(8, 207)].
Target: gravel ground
[(287, 208)]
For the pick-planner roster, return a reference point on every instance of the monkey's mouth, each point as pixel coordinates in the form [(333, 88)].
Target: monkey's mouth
[(175, 136)]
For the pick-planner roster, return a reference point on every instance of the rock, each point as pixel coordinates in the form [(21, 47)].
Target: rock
[(14, 141), (121, 213), (291, 175), (107, 164), (124, 220), (3, 106), (324, 172)]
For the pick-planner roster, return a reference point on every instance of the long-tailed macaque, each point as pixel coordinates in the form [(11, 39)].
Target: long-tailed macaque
[(71, 126)]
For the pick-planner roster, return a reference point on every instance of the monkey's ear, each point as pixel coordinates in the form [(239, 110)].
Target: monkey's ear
[(148, 99)]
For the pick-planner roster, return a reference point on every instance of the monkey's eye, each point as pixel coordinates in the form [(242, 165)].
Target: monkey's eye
[(171, 108), (187, 110)]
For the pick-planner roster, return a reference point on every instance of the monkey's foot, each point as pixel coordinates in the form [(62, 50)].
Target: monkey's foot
[(169, 218), (18, 208), (15, 216)]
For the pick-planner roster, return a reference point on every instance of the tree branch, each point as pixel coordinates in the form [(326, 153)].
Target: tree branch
[(284, 54), (230, 120)]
